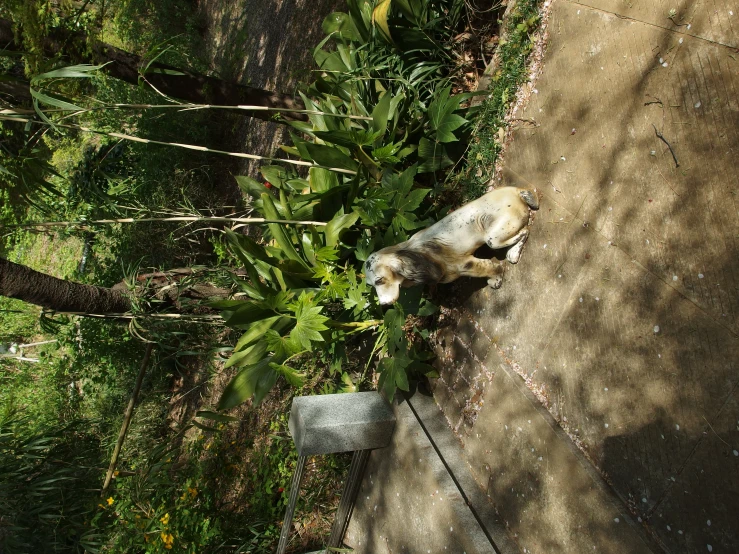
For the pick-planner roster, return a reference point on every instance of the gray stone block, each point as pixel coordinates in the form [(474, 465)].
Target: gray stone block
[(340, 423)]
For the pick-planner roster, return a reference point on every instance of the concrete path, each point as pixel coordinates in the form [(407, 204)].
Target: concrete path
[(596, 393)]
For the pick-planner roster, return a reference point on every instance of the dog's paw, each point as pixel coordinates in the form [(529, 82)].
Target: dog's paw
[(495, 282)]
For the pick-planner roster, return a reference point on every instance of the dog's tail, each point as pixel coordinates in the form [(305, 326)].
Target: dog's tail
[(530, 198)]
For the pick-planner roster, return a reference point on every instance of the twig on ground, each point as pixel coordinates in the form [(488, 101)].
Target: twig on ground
[(663, 139)]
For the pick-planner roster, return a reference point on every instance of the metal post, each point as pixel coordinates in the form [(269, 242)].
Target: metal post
[(348, 498), (294, 490)]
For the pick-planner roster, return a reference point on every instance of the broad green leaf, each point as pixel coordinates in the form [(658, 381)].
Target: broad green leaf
[(342, 138), (442, 108), (379, 18), (412, 200), (433, 156), (308, 250), (274, 174), (338, 225), (250, 186), (278, 231), (360, 12), (53, 100), (381, 114), (245, 384), (249, 356), (427, 308), (412, 9), (449, 124), (322, 180), (365, 247), (393, 373), (72, 71), (394, 321), (282, 347), (318, 120), (309, 322), (330, 157), (204, 427), (248, 313), (291, 375), (256, 331), (264, 384), (338, 22)]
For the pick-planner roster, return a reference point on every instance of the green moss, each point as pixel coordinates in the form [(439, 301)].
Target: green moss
[(509, 76)]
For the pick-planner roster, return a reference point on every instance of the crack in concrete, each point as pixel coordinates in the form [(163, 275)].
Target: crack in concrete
[(649, 23)]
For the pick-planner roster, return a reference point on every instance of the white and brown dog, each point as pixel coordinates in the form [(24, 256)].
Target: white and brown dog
[(445, 251)]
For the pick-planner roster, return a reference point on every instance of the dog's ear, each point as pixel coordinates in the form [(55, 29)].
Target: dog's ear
[(416, 267)]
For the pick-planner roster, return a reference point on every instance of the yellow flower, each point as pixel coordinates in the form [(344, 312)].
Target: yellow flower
[(116, 473), (167, 539), (193, 492), (110, 501), (165, 518)]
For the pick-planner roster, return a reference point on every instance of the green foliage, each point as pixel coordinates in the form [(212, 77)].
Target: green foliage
[(38, 469), (303, 290), (511, 73), (159, 508)]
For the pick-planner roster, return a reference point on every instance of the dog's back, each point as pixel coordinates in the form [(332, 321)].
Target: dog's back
[(499, 212)]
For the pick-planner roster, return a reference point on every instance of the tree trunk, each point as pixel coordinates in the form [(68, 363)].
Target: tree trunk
[(17, 91), (184, 85), (23, 283)]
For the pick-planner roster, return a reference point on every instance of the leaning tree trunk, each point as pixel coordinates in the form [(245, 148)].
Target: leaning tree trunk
[(177, 83), (23, 283)]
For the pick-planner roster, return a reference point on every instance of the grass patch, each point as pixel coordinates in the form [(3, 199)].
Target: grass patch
[(508, 77)]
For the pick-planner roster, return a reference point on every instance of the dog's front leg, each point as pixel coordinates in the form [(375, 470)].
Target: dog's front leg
[(476, 267)]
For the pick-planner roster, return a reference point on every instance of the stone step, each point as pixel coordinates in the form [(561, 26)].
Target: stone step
[(418, 496)]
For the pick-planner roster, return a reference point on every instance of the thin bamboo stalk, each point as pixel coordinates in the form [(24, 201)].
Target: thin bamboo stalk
[(178, 144), (245, 220), (185, 107), (127, 419)]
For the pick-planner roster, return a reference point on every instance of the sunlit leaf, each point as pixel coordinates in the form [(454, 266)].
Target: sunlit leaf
[(248, 356), (246, 383), (379, 18), (338, 225)]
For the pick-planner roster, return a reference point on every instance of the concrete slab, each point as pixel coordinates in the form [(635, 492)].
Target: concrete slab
[(615, 173), (540, 483), (331, 423), (710, 20), (622, 315), (409, 502)]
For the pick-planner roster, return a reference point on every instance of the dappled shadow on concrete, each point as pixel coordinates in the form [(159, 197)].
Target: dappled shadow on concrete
[(622, 314)]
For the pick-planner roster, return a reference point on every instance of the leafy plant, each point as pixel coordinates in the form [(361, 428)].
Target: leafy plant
[(304, 290), (38, 471)]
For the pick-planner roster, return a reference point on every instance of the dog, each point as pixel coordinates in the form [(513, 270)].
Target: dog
[(445, 251)]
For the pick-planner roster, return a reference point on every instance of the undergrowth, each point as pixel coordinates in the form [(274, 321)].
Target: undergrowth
[(510, 74)]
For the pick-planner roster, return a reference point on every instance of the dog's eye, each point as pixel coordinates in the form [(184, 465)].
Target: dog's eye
[(380, 281)]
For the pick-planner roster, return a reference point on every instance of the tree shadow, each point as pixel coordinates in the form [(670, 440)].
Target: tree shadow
[(622, 314)]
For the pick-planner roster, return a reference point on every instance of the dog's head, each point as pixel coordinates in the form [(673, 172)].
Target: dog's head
[(390, 268)]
